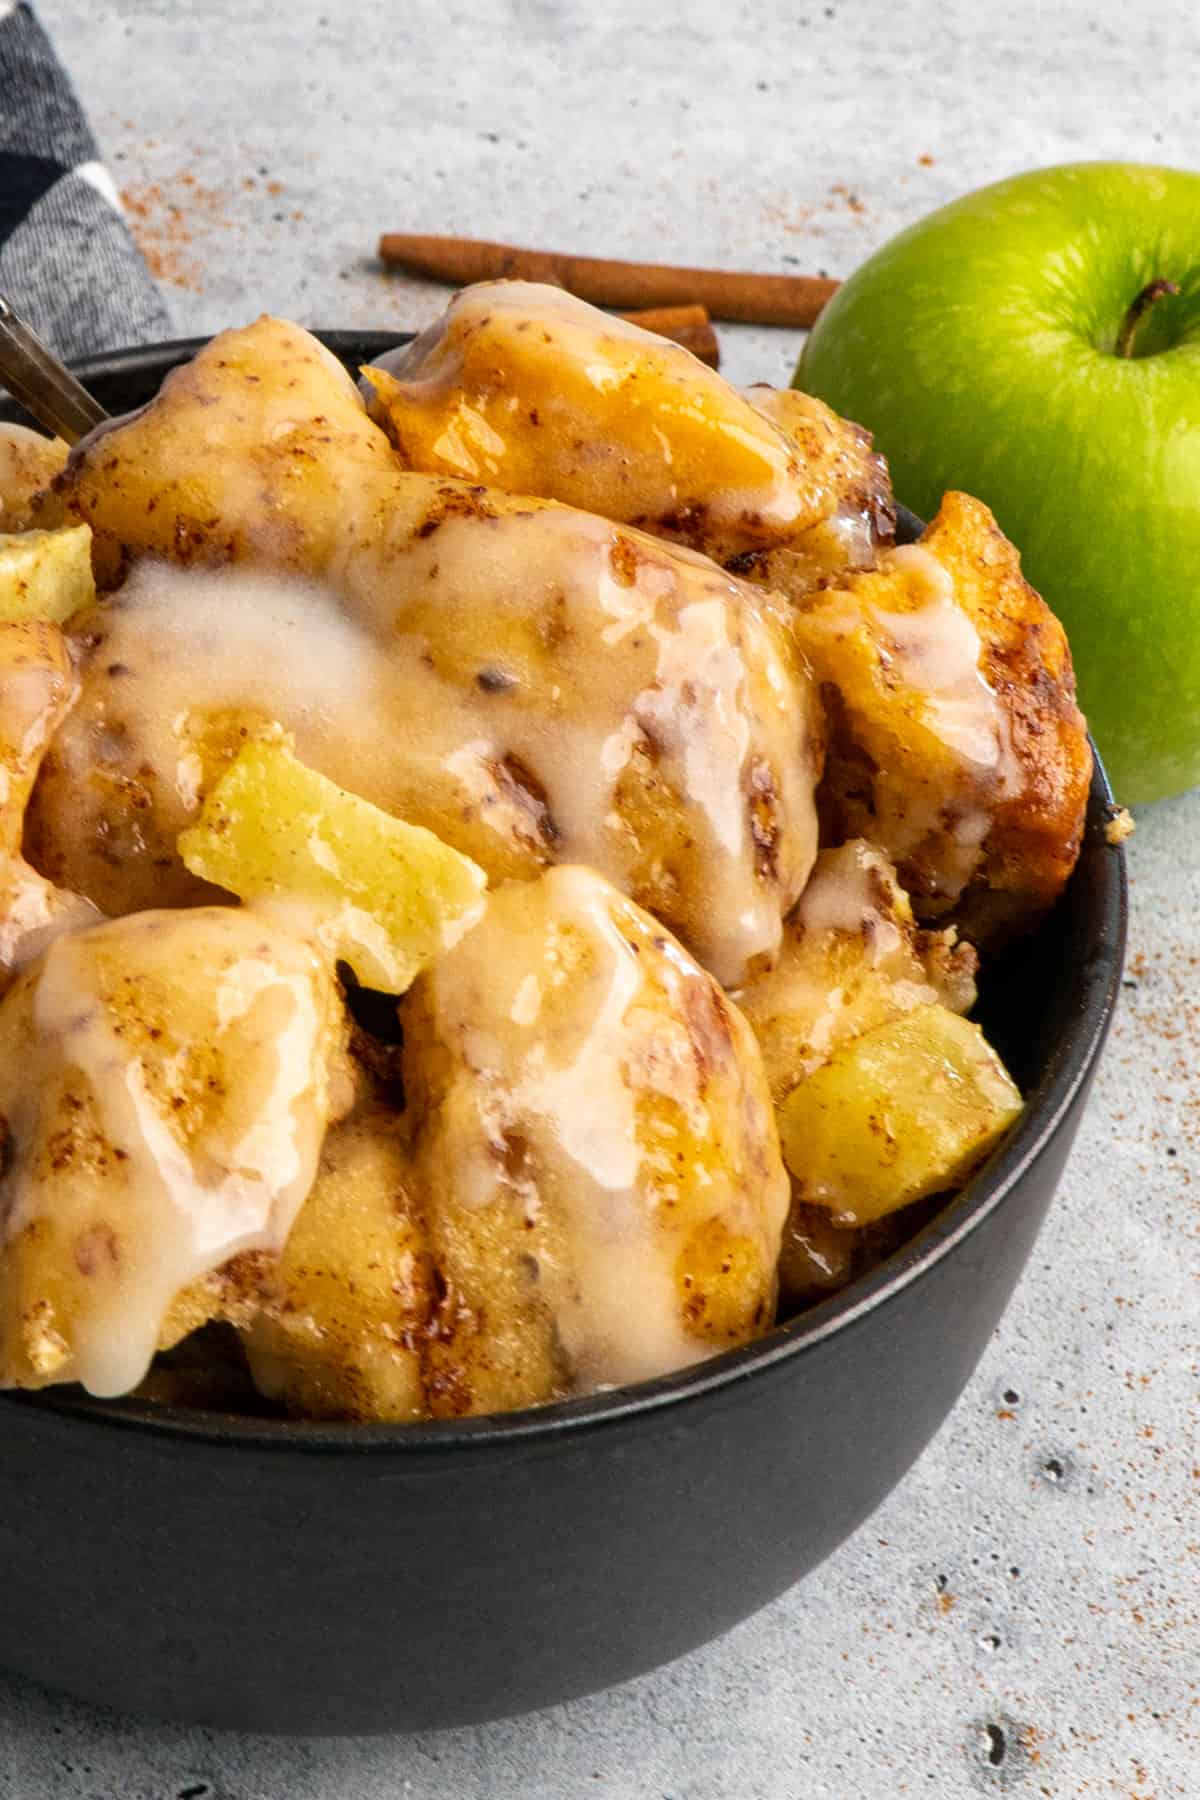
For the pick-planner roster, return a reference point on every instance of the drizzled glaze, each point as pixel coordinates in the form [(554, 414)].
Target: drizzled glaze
[(938, 652), (500, 620), (166, 1112), (536, 687), (33, 912), (906, 659), (37, 689), (570, 1062), (853, 889), (852, 512), (849, 961)]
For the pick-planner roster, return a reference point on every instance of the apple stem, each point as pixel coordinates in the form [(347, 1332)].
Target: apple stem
[(1154, 290)]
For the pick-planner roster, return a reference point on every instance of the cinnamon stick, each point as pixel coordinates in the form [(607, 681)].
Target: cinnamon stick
[(756, 299), (686, 325)]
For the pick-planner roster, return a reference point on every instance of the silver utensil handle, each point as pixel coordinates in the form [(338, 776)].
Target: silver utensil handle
[(44, 385)]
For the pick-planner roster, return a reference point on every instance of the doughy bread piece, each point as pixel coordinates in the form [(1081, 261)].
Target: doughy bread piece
[(28, 464), (852, 958), (956, 744), (342, 1317), (679, 755), (534, 684), (38, 687), (586, 1187), (258, 449), (165, 1084), (593, 1152), (530, 390), (861, 520)]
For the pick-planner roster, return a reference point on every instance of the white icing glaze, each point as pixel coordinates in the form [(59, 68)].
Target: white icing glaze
[(848, 961), (508, 644), (562, 1009), (928, 673), (31, 705), (938, 651), (126, 1017), (207, 641), (33, 912), (693, 708), (575, 1081), (853, 887)]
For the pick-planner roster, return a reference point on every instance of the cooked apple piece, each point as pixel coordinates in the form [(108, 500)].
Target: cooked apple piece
[(385, 896), (338, 1333), (955, 740), (593, 1151), (45, 574), (853, 959), (906, 1109), (165, 1082), (28, 464)]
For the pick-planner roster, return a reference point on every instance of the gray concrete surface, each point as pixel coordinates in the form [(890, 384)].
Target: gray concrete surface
[(1023, 1615)]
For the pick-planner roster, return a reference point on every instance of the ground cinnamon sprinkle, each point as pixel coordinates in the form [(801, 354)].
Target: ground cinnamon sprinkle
[(1161, 993), (166, 216), (848, 197), (162, 231), (782, 213)]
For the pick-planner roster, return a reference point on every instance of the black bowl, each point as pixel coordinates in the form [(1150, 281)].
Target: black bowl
[(325, 1578)]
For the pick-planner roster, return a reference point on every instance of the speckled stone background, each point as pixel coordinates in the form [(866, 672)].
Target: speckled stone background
[(1023, 1615)]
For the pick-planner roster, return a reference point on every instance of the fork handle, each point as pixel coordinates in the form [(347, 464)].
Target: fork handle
[(44, 386)]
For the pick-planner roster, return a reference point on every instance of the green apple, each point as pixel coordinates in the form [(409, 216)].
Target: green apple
[(1025, 344)]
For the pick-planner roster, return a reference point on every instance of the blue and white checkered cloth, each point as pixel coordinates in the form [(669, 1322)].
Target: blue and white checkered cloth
[(67, 261)]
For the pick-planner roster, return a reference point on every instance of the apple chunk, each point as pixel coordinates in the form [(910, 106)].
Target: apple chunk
[(905, 1110), (45, 574), (385, 896)]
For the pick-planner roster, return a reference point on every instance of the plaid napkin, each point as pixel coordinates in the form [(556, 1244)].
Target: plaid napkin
[(67, 261)]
